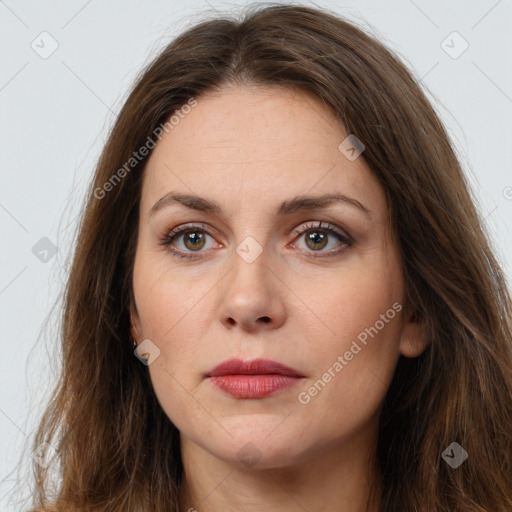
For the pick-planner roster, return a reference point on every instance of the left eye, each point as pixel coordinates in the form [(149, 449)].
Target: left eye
[(317, 237)]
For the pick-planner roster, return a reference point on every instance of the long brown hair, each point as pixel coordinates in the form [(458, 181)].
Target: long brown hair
[(118, 451)]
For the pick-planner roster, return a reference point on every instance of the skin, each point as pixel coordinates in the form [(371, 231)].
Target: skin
[(250, 148)]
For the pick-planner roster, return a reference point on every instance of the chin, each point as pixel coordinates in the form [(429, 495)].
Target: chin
[(256, 444), (245, 454)]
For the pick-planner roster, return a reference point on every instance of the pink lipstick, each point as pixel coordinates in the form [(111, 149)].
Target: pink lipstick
[(257, 378)]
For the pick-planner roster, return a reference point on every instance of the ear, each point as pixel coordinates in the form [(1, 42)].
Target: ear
[(414, 339), (135, 327)]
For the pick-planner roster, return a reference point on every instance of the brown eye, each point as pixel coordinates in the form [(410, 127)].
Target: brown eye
[(316, 240), (189, 241), (317, 237), (193, 240), (184, 241)]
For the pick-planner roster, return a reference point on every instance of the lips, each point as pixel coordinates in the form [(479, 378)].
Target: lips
[(253, 367), (257, 378)]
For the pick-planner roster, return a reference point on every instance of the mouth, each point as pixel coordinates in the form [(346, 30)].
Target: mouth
[(257, 378)]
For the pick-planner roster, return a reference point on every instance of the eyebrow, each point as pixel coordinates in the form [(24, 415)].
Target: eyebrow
[(298, 203)]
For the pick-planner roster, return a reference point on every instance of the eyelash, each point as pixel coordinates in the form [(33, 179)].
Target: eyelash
[(326, 228)]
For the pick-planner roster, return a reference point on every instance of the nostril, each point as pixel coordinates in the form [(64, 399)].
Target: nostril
[(265, 319)]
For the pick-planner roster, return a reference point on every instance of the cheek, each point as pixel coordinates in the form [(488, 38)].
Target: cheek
[(166, 295), (349, 303), (352, 374), (166, 321), (171, 324), (356, 355)]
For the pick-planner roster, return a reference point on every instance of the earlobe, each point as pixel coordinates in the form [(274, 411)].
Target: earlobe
[(414, 339)]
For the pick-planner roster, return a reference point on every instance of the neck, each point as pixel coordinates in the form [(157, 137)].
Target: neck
[(336, 479)]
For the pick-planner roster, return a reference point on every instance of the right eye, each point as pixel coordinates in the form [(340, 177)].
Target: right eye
[(193, 239)]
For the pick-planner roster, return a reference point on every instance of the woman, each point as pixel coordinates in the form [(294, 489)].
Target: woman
[(280, 227)]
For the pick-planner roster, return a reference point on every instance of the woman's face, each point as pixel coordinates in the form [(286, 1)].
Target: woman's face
[(255, 277)]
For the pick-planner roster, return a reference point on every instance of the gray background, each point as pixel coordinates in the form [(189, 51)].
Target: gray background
[(56, 110)]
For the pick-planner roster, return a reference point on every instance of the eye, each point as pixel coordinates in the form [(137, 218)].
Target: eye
[(192, 237), (316, 238)]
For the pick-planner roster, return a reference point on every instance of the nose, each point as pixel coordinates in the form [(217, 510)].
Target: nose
[(253, 297)]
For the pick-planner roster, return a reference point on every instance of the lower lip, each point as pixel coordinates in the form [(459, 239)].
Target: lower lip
[(253, 386)]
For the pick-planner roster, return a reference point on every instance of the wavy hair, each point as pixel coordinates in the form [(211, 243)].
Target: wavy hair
[(116, 448)]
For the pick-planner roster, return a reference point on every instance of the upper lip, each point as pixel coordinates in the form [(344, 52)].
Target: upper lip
[(252, 367)]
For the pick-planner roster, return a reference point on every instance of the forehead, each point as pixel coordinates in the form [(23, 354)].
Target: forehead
[(258, 144), (244, 121)]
